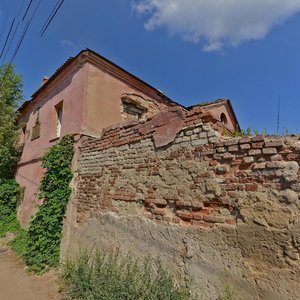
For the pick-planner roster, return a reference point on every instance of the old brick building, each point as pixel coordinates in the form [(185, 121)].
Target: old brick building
[(155, 178), (86, 94)]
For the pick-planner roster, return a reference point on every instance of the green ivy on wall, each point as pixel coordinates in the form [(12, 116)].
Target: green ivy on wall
[(45, 230), (10, 195)]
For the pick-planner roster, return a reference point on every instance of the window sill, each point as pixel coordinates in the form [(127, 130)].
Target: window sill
[(34, 138), (54, 139)]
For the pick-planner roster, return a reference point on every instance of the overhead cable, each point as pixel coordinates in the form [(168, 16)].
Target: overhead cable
[(20, 41), (15, 31), (51, 18), (24, 32), (20, 10), (27, 10), (11, 40), (50, 15), (3, 29), (7, 37)]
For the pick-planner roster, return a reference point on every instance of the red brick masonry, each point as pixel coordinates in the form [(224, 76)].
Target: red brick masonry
[(177, 167)]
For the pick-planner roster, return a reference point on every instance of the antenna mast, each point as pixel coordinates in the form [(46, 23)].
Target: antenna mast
[(278, 116)]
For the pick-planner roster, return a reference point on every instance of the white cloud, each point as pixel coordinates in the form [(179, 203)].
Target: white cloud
[(218, 23)]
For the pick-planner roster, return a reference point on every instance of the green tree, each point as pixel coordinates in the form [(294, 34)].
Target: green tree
[(11, 85)]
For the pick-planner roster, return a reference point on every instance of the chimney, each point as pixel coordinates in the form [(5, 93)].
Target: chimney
[(44, 80)]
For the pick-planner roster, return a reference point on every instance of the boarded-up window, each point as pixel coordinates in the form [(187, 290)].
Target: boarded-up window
[(131, 110), (36, 130), (37, 127)]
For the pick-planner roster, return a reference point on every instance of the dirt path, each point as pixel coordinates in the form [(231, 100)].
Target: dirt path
[(17, 284)]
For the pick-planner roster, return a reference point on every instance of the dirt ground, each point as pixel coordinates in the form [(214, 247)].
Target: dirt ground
[(17, 284)]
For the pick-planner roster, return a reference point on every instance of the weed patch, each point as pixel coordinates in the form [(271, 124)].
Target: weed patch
[(110, 277)]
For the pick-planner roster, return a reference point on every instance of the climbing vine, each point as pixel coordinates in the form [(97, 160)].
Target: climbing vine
[(10, 195), (45, 230)]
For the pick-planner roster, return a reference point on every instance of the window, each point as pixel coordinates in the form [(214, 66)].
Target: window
[(37, 115), (37, 127), (59, 112), (131, 110), (22, 138), (223, 118)]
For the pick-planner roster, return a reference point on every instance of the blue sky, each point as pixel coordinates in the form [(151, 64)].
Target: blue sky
[(192, 50)]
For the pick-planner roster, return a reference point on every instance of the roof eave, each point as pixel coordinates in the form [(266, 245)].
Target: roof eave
[(87, 50)]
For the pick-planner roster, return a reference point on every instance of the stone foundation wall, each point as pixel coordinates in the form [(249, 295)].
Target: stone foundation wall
[(211, 208)]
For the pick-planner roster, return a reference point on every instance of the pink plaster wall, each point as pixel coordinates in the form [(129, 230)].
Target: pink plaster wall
[(69, 88), (103, 100), (217, 110), (91, 89), (91, 98)]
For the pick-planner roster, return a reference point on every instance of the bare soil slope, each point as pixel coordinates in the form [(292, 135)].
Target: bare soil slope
[(17, 284)]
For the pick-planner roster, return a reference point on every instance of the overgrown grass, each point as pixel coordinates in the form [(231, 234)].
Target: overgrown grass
[(10, 196), (243, 132), (108, 277), (8, 224), (19, 243)]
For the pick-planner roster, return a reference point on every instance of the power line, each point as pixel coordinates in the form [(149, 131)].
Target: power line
[(278, 116), (24, 32), (20, 40), (16, 51), (3, 29), (11, 40), (7, 37), (27, 9), (53, 15), (20, 10), (15, 30)]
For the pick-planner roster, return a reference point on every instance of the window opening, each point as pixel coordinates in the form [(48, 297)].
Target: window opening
[(223, 118), (131, 110), (36, 130), (59, 110), (37, 115)]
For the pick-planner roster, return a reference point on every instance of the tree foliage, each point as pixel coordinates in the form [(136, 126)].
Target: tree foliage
[(10, 97)]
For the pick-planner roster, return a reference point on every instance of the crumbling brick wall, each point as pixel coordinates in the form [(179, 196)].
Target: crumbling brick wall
[(126, 166), (196, 179), (141, 108), (177, 170)]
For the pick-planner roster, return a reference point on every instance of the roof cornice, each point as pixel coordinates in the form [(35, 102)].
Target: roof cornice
[(118, 72), (108, 67)]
